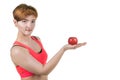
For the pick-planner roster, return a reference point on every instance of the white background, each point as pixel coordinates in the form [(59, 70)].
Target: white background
[(95, 21)]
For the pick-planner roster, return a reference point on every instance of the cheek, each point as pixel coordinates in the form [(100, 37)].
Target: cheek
[(21, 27), (33, 26)]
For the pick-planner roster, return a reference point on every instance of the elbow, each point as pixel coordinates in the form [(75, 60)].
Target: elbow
[(43, 71)]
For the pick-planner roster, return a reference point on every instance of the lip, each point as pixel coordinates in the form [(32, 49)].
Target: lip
[(28, 29)]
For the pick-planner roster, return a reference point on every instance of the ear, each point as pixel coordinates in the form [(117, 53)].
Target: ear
[(15, 22)]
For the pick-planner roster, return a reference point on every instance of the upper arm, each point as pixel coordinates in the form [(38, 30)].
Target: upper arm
[(21, 57)]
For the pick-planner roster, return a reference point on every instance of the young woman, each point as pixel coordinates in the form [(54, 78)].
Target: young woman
[(27, 52)]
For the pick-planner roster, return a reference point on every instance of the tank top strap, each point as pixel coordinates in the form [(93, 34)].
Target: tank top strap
[(17, 43), (37, 40)]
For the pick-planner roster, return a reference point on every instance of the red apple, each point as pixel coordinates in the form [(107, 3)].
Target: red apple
[(72, 40)]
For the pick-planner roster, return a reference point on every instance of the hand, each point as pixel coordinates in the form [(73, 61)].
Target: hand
[(68, 46)]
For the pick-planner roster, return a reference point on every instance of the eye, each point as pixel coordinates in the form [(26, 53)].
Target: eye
[(33, 21), (24, 21)]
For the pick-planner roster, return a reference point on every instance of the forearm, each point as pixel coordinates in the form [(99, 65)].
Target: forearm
[(40, 77), (53, 61), (47, 68)]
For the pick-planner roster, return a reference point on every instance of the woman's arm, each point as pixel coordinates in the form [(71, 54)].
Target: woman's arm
[(21, 56), (56, 58)]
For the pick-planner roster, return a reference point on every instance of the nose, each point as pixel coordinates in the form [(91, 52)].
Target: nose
[(29, 24)]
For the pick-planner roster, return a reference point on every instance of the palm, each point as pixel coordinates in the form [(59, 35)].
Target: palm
[(68, 46)]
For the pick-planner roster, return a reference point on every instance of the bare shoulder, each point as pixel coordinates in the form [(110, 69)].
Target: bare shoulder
[(17, 51), (18, 54)]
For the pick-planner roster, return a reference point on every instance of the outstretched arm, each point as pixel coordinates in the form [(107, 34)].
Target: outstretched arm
[(21, 56), (55, 59)]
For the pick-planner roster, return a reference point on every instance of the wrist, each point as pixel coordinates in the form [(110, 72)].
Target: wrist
[(64, 48)]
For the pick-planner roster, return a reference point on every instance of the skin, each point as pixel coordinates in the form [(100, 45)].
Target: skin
[(20, 56)]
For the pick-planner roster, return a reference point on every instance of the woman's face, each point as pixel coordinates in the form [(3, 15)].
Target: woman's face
[(26, 26)]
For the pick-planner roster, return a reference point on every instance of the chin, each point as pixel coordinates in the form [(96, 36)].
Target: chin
[(27, 34)]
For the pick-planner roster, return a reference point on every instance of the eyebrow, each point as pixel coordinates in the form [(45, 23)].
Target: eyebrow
[(28, 20)]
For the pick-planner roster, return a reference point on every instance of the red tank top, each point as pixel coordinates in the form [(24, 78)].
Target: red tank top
[(41, 57)]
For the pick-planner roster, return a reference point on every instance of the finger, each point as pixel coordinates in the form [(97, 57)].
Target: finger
[(80, 44), (84, 43)]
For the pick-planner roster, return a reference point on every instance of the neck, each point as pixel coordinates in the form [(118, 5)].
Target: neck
[(23, 38)]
